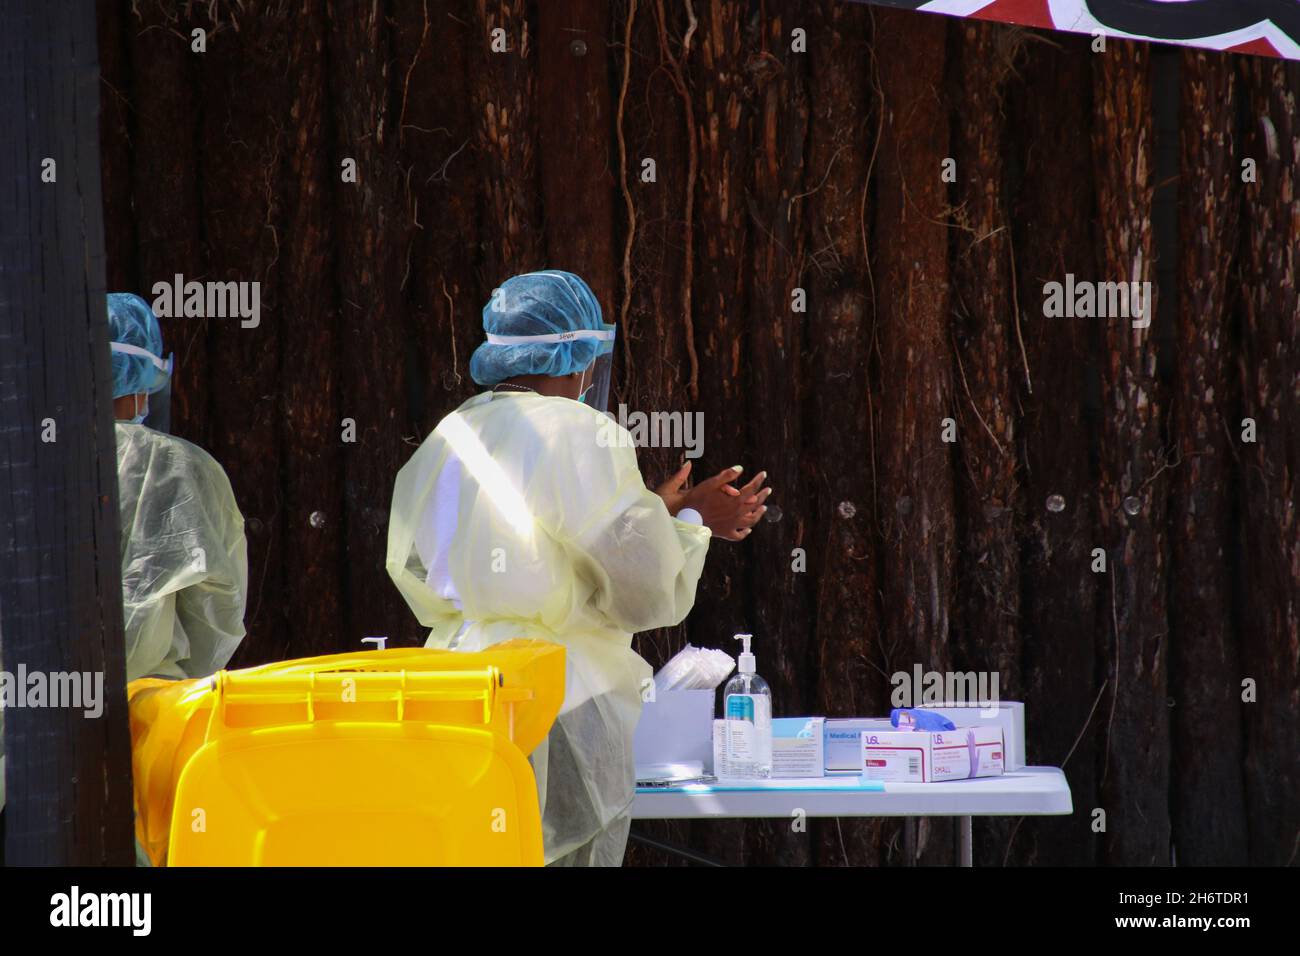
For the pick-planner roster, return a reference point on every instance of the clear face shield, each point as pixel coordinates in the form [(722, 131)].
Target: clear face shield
[(160, 408), (158, 385), (594, 385), (597, 377)]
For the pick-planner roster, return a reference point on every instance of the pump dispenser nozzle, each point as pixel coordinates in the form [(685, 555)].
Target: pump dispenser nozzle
[(747, 662)]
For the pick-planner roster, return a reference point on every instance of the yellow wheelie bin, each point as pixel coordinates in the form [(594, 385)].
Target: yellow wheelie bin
[(403, 757)]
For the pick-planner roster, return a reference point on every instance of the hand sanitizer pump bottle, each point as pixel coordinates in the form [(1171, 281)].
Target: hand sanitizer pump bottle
[(747, 703)]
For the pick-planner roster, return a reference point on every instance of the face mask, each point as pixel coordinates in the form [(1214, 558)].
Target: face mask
[(582, 392), (139, 419)]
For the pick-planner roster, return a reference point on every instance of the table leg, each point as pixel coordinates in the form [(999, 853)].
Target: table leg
[(965, 850), (674, 849)]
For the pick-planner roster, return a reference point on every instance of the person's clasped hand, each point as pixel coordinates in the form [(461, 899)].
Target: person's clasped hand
[(729, 512)]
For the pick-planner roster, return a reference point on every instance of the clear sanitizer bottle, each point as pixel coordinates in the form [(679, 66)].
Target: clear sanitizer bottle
[(747, 706)]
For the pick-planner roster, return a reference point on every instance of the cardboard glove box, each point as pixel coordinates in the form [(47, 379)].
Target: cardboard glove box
[(1009, 715), (918, 756)]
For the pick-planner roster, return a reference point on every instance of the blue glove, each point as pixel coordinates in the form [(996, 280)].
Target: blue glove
[(913, 718)]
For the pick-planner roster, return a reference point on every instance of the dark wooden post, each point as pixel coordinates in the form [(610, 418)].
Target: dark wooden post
[(985, 349), (1052, 237), (576, 167), (1208, 805), (67, 774), (720, 307), (1133, 485), (775, 349), (1269, 468), (914, 388), (842, 561)]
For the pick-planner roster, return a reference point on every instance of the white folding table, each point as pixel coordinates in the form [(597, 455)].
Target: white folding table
[(1031, 791)]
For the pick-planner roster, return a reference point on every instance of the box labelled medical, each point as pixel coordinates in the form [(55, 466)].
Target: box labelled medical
[(915, 756), (676, 727), (842, 749)]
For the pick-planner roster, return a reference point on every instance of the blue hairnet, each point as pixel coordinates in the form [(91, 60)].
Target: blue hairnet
[(538, 303), (131, 322)]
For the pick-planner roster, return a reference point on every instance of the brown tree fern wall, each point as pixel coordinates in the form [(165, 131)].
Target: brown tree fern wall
[(781, 172)]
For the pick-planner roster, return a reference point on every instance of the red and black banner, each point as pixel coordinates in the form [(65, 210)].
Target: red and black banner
[(1263, 27)]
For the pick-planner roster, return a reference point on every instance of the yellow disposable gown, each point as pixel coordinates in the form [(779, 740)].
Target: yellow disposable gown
[(184, 558), (524, 516)]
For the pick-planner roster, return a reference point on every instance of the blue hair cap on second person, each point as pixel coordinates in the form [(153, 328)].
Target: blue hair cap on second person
[(537, 303), (132, 322)]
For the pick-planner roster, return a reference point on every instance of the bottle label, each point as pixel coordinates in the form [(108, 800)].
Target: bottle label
[(740, 742), (748, 734), (740, 707)]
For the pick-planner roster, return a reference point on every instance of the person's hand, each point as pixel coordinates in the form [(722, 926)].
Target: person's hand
[(673, 492), (729, 512)]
